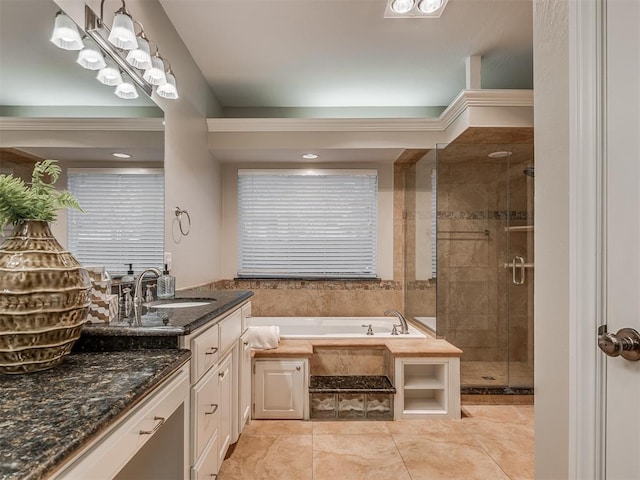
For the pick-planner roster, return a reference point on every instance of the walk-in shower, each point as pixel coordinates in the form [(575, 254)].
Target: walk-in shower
[(470, 259)]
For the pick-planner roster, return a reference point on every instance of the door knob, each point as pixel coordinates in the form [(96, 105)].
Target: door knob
[(625, 343)]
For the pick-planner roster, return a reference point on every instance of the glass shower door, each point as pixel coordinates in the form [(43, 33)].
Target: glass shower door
[(519, 265)]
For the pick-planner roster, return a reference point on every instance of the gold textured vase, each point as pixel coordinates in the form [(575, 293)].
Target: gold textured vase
[(44, 299)]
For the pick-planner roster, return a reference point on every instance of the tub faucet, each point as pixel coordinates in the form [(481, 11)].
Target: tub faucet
[(404, 326), (137, 294)]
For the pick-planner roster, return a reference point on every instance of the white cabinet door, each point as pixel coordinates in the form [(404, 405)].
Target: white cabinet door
[(244, 381), (225, 382), (279, 388)]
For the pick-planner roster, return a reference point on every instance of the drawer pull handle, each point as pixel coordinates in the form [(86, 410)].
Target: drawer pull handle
[(211, 351), (160, 421), (215, 407), (246, 344), (222, 374)]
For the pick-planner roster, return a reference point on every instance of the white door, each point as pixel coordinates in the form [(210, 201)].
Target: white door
[(622, 229)]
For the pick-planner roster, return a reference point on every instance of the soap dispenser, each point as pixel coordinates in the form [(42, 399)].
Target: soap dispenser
[(166, 285), (129, 276)]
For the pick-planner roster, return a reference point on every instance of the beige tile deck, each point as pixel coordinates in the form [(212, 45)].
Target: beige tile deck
[(490, 442)]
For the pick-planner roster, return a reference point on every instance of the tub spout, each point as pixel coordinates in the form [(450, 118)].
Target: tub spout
[(404, 326)]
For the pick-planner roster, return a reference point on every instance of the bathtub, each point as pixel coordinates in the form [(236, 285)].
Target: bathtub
[(334, 327)]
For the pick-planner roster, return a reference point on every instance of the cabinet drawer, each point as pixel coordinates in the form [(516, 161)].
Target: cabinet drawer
[(230, 330), (246, 315), (207, 467), (205, 404), (205, 349)]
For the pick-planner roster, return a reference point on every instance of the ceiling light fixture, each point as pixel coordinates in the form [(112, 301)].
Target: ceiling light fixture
[(124, 51), (90, 57), (309, 156), (126, 90), (414, 8), (110, 75), (65, 33), (168, 90), (140, 57), (121, 155)]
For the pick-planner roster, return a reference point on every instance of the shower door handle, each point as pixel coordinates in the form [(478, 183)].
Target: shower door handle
[(517, 264)]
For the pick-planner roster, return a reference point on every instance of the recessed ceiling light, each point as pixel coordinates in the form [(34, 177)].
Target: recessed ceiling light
[(502, 154), (121, 155), (310, 156), (429, 6)]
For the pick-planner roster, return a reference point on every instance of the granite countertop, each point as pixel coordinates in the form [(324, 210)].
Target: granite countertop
[(150, 327), (350, 384), (46, 417)]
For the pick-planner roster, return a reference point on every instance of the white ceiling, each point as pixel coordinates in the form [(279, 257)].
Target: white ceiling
[(289, 56), (344, 53)]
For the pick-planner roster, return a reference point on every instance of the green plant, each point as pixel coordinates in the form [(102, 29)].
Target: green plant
[(38, 200)]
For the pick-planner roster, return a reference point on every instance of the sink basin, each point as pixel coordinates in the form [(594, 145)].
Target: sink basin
[(179, 304)]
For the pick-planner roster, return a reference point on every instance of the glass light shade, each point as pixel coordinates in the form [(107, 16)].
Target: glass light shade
[(429, 6), (90, 57), (110, 75), (169, 89), (140, 57), (401, 6), (155, 75), (65, 34), (126, 90), (123, 34)]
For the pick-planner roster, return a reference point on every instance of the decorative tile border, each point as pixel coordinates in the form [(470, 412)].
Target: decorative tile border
[(286, 284), (483, 215)]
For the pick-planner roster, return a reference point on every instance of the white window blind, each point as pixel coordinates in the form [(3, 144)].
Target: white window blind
[(123, 218), (300, 224)]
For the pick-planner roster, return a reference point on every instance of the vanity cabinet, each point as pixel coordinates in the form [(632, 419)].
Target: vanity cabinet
[(215, 375), (280, 388), (146, 443), (427, 387)]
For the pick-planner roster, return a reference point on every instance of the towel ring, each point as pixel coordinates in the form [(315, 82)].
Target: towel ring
[(179, 214)]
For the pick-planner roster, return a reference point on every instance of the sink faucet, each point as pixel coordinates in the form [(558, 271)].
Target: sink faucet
[(404, 326), (137, 294)]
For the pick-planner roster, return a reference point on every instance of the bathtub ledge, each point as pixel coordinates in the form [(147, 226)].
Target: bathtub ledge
[(429, 347)]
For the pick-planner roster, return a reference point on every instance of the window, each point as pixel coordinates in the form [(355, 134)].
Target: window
[(307, 224), (123, 218)]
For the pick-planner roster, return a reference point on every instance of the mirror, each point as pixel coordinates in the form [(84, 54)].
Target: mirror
[(51, 107)]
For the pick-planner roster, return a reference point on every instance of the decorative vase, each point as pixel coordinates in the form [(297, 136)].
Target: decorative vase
[(44, 299)]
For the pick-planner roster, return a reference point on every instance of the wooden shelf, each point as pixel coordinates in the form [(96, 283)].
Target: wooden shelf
[(422, 383), (422, 405)]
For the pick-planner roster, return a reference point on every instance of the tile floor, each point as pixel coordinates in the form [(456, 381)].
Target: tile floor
[(490, 442)]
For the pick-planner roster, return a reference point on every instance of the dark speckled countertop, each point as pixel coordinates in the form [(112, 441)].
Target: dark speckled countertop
[(47, 416), (150, 327)]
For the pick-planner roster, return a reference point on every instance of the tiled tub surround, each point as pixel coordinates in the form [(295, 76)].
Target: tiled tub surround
[(48, 416), (326, 298)]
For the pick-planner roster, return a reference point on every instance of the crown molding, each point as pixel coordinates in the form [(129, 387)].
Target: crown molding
[(82, 124), (465, 100)]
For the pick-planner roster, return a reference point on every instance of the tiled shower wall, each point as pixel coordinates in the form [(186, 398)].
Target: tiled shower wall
[(479, 309)]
